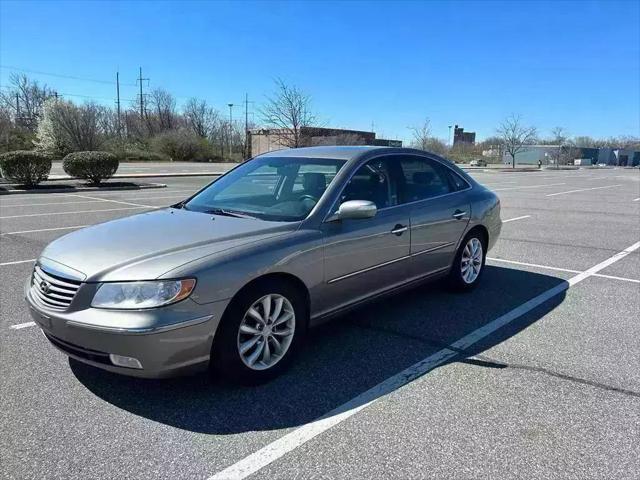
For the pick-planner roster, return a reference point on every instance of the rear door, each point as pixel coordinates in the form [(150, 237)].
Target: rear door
[(439, 212)]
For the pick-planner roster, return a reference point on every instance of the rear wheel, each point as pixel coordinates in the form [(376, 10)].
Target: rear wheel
[(469, 262), (260, 333)]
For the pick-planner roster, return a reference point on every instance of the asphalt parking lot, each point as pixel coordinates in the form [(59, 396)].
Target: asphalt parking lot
[(534, 374)]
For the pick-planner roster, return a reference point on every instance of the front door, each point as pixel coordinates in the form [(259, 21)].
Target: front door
[(363, 257)]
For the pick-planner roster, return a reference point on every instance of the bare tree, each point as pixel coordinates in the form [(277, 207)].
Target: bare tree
[(287, 112), (200, 117), (24, 99), (423, 140), (437, 146), (514, 136), (588, 142), (161, 111), (421, 135)]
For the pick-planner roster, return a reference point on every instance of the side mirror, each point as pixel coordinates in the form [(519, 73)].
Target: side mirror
[(355, 210)]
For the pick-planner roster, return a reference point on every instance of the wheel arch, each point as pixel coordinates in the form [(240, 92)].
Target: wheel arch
[(281, 277), (482, 230)]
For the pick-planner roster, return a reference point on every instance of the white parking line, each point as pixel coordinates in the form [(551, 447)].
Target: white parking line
[(135, 193), (44, 230), (528, 186), (112, 201), (568, 270), (613, 277), (98, 200), (289, 442), (73, 213), (17, 262), (498, 184), (516, 218), (636, 199), (46, 204), (22, 325), (581, 190)]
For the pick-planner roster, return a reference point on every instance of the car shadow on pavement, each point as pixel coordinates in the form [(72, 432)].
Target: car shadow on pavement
[(341, 359)]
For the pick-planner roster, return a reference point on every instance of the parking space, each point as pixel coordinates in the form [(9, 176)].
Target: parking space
[(535, 373)]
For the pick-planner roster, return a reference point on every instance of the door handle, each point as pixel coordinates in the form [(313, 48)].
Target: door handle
[(458, 214), (399, 229)]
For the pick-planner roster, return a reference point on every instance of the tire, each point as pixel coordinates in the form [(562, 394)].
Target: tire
[(459, 279), (226, 356)]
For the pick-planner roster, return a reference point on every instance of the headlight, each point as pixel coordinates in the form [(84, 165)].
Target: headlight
[(133, 295)]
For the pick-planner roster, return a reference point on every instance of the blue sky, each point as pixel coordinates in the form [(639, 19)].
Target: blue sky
[(572, 64)]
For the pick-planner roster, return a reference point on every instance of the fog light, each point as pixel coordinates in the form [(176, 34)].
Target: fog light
[(127, 362)]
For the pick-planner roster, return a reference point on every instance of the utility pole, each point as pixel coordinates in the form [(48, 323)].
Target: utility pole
[(449, 139), (118, 125), (230, 127), (246, 126), (140, 79)]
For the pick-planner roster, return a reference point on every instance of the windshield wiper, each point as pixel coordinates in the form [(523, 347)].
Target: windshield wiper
[(181, 205), (229, 213)]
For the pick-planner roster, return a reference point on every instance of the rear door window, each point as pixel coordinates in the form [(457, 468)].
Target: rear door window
[(457, 181)]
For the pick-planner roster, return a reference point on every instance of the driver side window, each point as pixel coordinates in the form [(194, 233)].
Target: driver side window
[(372, 181)]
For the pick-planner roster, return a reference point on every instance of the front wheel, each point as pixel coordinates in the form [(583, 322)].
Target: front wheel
[(259, 334), (469, 262)]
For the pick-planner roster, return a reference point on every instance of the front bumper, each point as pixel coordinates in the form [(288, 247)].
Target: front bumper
[(164, 348)]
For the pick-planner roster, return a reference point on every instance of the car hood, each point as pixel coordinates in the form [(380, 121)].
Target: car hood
[(147, 245)]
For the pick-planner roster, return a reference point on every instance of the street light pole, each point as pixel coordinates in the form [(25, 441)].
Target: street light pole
[(230, 127), (449, 138)]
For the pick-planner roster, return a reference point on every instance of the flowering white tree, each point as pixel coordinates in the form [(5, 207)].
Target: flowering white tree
[(66, 127)]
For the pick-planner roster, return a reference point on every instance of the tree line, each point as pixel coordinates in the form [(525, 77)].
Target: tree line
[(34, 116), (513, 136)]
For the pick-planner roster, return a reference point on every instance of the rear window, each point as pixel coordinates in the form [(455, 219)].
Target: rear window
[(457, 181)]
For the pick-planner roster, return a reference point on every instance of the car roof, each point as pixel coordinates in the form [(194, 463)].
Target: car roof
[(335, 152), (341, 152), (353, 153)]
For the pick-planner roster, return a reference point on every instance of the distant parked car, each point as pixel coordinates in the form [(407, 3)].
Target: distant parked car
[(233, 276), (478, 163)]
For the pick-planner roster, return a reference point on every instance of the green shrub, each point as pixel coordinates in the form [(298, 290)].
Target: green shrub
[(180, 145), (25, 167), (91, 166), (143, 156)]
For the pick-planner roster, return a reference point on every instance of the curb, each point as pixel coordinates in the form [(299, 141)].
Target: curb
[(501, 170), (56, 178), (82, 189)]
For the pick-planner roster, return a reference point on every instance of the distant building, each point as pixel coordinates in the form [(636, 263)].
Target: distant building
[(264, 140), (547, 155), (383, 142), (460, 136)]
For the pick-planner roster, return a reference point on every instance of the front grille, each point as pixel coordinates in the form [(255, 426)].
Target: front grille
[(53, 291)]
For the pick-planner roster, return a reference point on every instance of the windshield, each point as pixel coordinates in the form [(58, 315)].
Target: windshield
[(270, 188)]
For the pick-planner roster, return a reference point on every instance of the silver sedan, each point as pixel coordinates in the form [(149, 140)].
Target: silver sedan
[(232, 277)]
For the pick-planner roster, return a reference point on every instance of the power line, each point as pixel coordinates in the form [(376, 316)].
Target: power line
[(90, 97), (93, 98), (70, 77)]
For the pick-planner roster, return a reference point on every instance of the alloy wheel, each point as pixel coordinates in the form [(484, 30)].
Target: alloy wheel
[(266, 332), (471, 263)]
